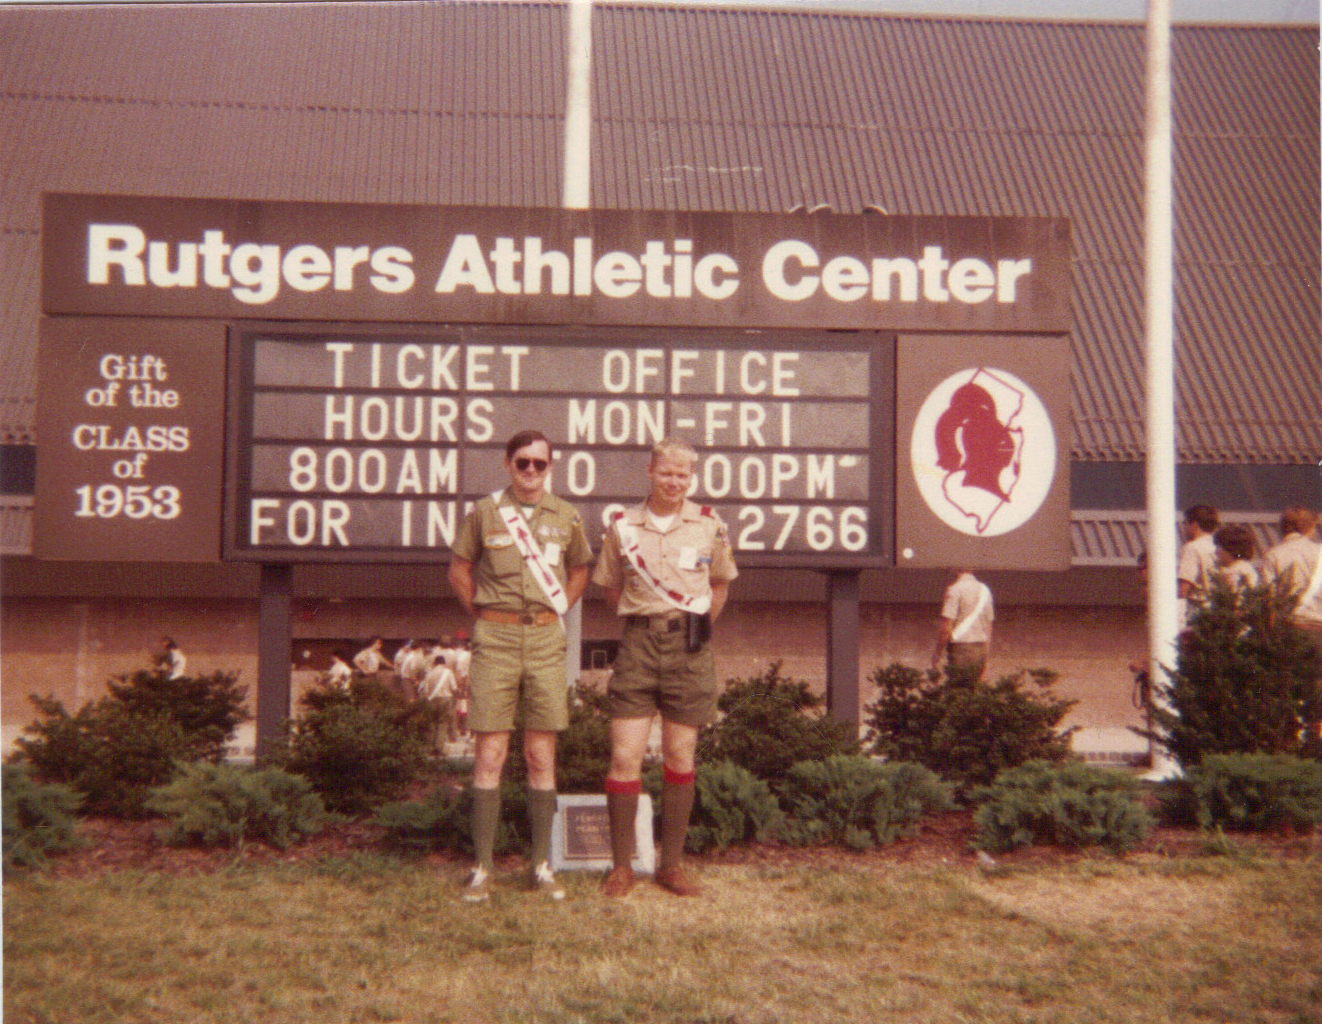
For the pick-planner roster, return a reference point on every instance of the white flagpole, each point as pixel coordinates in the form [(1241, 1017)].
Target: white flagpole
[(1163, 620), (577, 196)]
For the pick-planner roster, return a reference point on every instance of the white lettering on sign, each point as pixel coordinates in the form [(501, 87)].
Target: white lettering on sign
[(662, 271), (253, 273), (787, 273)]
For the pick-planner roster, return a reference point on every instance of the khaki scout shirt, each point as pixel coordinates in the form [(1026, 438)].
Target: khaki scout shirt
[(1290, 565), (961, 598), (687, 557), (502, 581)]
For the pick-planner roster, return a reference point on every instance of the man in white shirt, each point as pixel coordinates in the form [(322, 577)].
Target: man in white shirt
[(1197, 566), (965, 630)]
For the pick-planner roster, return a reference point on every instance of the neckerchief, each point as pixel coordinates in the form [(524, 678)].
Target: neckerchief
[(631, 549), (532, 555)]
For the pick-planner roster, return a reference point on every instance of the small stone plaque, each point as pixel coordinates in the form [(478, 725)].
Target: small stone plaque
[(580, 835)]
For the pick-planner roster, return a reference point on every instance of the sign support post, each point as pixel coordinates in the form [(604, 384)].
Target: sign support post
[(842, 634), (273, 633)]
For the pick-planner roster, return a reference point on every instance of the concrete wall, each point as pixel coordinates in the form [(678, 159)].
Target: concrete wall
[(68, 647)]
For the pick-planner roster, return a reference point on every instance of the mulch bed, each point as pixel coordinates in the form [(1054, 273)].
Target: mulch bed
[(116, 845)]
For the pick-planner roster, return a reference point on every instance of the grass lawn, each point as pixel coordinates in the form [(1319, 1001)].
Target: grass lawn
[(370, 938)]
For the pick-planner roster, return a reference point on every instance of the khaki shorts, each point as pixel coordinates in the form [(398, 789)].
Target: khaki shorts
[(655, 672), (513, 665)]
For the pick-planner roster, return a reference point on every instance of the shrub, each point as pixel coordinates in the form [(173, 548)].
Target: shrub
[(1246, 680), (730, 805), (355, 755), (769, 723), (965, 730), (858, 802), (1070, 804), (114, 750), (1256, 792), (109, 753), (207, 708), (223, 805), (444, 821), (38, 818)]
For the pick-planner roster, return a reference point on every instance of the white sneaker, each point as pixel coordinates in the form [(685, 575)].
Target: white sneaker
[(543, 881), (475, 889)]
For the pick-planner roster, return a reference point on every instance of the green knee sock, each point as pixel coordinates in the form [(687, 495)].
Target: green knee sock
[(677, 795), (622, 807), (486, 819), (541, 812)]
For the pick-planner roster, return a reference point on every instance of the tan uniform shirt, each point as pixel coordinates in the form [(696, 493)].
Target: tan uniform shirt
[(692, 552), (1291, 564), (1197, 566), (961, 599), (501, 578)]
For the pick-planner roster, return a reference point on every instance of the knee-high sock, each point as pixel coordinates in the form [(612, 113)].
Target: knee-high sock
[(677, 792), (541, 813), (622, 806), (486, 819)]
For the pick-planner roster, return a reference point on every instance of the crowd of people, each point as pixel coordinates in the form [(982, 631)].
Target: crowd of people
[(1228, 553), (429, 670)]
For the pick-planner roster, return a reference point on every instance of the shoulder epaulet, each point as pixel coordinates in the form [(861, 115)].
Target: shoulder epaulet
[(617, 515), (707, 511)]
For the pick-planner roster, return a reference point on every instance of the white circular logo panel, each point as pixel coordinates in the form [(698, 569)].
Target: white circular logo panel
[(983, 451)]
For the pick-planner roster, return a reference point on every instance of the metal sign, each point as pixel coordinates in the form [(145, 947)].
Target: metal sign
[(982, 475), (371, 445), (138, 255), (131, 415)]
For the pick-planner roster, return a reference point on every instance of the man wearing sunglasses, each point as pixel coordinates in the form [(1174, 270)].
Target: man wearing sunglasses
[(519, 561)]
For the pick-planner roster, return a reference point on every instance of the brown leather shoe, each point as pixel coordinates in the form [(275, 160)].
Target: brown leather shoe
[(677, 882), (618, 883)]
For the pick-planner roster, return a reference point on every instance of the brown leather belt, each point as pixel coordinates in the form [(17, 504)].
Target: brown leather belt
[(518, 618), (666, 622)]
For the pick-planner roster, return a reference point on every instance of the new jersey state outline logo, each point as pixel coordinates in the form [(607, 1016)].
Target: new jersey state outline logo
[(983, 451)]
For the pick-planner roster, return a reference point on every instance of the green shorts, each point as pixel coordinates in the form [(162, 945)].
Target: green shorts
[(654, 671), (513, 664)]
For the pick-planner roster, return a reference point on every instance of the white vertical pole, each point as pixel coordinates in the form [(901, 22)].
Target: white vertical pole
[(578, 107), (1163, 621), (577, 195)]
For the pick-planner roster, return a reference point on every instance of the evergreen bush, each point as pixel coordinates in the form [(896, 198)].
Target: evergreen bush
[(38, 818), (224, 805), (115, 749), (1256, 792), (1247, 680), (858, 802), (358, 748), (769, 723), (966, 730), (207, 708), (1069, 804), (110, 754)]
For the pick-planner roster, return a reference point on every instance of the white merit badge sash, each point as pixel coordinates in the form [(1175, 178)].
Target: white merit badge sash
[(532, 555), (962, 629), (631, 549)]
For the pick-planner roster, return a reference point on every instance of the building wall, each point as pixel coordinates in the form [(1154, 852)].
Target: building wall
[(69, 647)]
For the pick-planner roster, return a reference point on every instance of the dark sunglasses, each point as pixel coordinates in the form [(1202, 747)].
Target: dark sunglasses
[(522, 464)]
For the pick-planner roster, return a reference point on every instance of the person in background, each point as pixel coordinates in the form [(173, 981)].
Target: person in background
[(1294, 566), (171, 659), (340, 671), (519, 562), (964, 630), (1235, 549), (370, 660), (1197, 562), (666, 565)]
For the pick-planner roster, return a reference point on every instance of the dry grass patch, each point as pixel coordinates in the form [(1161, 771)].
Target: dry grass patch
[(1104, 941)]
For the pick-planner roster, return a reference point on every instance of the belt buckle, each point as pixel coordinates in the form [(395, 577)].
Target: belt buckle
[(527, 619)]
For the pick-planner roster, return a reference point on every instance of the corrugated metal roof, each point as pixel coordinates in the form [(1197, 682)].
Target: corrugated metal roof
[(1108, 537), (733, 109)]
